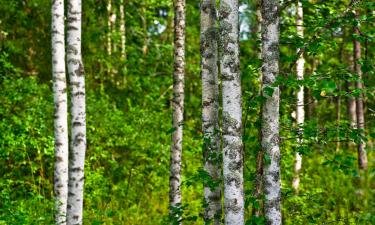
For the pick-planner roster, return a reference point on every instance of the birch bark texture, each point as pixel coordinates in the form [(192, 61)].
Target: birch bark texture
[(232, 113), (177, 108), (78, 113), (300, 69), (362, 155), (60, 112), (210, 109), (270, 110)]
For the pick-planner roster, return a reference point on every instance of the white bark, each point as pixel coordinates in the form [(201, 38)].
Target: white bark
[(61, 113), (177, 107), (232, 113), (270, 110), (300, 66), (109, 27), (122, 30), (210, 109), (78, 113)]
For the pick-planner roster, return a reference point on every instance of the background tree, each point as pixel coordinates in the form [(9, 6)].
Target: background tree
[(362, 155), (300, 111)]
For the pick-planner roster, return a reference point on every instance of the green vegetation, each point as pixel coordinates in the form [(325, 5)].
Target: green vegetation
[(129, 115)]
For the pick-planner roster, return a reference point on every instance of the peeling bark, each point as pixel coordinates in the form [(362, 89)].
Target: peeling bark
[(210, 109), (61, 112), (300, 66), (362, 155), (78, 113), (232, 113), (270, 110), (177, 107)]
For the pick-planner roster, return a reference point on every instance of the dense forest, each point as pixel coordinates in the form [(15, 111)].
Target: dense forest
[(146, 112)]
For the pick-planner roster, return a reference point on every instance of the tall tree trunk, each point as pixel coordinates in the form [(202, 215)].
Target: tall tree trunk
[(362, 156), (78, 113), (177, 107), (232, 113), (210, 109), (109, 27), (270, 114), (300, 69), (122, 30), (61, 112), (259, 161)]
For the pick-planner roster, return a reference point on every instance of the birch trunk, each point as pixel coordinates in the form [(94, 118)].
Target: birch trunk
[(122, 30), (61, 113), (232, 113), (177, 107), (210, 109), (78, 113), (109, 26), (300, 66), (362, 156), (270, 114)]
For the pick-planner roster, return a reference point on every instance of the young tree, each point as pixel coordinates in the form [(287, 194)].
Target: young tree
[(61, 113), (78, 113), (232, 113), (362, 156), (300, 66), (178, 108), (270, 110), (257, 211), (210, 109)]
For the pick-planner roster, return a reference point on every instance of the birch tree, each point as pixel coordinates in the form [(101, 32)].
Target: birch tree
[(122, 30), (210, 109), (362, 156), (232, 113), (61, 113), (78, 113), (109, 27), (270, 111), (177, 108), (300, 66)]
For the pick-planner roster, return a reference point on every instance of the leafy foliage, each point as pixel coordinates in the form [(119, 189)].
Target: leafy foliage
[(129, 115)]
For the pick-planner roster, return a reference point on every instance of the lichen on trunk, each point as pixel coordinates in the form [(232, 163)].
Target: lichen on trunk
[(178, 111), (210, 109), (270, 110), (232, 113)]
